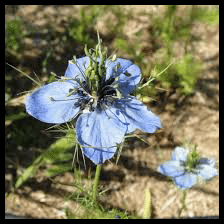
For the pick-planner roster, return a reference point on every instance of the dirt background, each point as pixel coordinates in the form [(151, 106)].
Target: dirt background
[(194, 118)]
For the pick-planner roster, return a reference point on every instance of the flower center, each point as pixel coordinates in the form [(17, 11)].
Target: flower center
[(192, 160), (90, 100), (97, 93)]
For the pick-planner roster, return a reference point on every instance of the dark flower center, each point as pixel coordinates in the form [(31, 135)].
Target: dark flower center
[(100, 100)]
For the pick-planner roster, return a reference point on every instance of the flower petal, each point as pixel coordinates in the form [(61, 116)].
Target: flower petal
[(51, 103), (77, 70), (129, 74), (138, 116), (206, 172), (117, 67), (101, 129), (179, 153), (207, 161), (171, 168), (186, 181), (99, 156)]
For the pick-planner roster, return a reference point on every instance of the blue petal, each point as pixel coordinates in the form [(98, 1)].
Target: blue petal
[(206, 172), (206, 161), (117, 67), (138, 116), (102, 129), (129, 74), (51, 103), (99, 156), (77, 70), (171, 168), (179, 153), (186, 181)]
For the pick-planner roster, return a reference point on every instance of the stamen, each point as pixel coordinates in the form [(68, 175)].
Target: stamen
[(54, 100), (82, 73), (51, 98), (72, 91)]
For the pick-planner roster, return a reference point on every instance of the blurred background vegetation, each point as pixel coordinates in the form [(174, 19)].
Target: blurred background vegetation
[(40, 46)]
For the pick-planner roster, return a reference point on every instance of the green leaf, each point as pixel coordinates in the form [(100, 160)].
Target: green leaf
[(58, 169), (57, 150), (30, 171), (55, 153)]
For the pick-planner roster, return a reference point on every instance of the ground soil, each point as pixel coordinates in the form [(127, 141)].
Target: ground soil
[(190, 118)]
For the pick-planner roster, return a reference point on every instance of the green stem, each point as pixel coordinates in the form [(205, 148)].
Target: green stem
[(96, 182), (183, 203), (148, 205)]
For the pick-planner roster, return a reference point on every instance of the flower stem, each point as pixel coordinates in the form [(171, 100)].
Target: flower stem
[(183, 203), (96, 182), (148, 205)]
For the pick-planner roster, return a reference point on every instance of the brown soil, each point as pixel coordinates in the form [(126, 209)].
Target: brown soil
[(194, 118)]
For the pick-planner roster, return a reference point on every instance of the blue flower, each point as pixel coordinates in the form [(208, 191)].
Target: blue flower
[(186, 168), (98, 101)]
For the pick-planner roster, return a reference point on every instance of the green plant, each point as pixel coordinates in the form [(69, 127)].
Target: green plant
[(170, 29), (57, 157), (188, 69), (80, 29), (182, 76), (13, 35)]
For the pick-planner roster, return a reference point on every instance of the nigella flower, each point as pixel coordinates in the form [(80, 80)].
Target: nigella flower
[(95, 93), (186, 168)]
